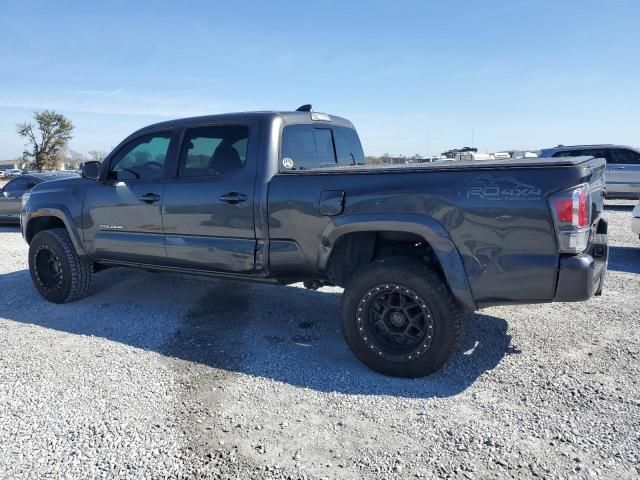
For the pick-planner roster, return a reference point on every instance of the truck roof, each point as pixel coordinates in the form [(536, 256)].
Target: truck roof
[(288, 117)]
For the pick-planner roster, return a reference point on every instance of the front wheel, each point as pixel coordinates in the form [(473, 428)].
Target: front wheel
[(400, 319), (57, 271)]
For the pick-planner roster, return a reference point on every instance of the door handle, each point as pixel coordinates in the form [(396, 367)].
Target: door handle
[(149, 198), (617, 168), (233, 198)]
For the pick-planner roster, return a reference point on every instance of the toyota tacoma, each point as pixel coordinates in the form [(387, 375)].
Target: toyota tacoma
[(287, 197)]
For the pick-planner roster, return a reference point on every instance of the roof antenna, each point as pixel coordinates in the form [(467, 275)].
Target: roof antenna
[(304, 108)]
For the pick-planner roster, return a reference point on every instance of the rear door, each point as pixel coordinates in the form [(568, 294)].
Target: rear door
[(623, 173), (208, 208), (123, 210)]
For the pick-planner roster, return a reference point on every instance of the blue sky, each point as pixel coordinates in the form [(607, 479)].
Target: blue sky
[(413, 76)]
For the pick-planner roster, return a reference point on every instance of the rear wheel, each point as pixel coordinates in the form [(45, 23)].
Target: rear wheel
[(400, 319), (57, 271)]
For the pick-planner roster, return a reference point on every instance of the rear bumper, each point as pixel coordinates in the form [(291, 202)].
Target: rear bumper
[(635, 225), (582, 276)]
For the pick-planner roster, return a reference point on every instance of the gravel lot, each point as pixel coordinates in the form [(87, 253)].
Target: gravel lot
[(164, 376)]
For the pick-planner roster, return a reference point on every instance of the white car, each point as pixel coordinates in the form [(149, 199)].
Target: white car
[(635, 222), (10, 173)]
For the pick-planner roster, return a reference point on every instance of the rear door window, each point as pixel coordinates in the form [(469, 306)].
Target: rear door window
[(597, 153), (569, 153), (628, 157), (214, 150), (305, 147)]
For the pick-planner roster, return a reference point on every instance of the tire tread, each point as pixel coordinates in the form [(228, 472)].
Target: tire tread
[(81, 269), (413, 269)]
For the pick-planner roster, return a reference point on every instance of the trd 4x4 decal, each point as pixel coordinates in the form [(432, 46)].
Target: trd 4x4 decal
[(487, 187)]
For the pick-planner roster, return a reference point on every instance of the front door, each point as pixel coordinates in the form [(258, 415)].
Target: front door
[(208, 207), (123, 210)]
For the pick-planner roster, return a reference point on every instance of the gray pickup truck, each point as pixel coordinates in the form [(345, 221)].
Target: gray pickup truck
[(287, 196)]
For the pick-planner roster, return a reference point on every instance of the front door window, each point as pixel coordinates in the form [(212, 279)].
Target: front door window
[(143, 159)]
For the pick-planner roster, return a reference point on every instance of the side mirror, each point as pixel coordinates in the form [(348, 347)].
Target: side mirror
[(91, 170)]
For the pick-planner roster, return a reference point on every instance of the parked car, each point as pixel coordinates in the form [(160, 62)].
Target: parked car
[(623, 166), (285, 197), (10, 173), (635, 221), (11, 194)]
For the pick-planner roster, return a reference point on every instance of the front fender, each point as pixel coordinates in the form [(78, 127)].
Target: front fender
[(58, 211), (426, 227)]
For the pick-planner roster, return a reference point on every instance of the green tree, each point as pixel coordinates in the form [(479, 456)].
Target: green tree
[(373, 160), (46, 137)]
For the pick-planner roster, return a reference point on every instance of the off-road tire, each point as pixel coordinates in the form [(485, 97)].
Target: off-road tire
[(76, 273), (411, 276)]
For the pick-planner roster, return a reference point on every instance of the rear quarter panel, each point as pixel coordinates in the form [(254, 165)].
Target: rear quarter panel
[(498, 219)]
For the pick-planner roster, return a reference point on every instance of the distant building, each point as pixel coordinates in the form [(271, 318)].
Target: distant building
[(9, 164)]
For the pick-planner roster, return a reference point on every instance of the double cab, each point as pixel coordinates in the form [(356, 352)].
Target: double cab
[(289, 197)]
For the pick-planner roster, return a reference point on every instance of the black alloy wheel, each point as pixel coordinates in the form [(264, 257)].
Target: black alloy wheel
[(395, 322)]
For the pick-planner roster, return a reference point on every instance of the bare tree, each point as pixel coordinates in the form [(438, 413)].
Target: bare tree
[(46, 139), (75, 159), (97, 155)]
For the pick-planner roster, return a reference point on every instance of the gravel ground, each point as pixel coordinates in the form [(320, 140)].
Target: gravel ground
[(164, 376)]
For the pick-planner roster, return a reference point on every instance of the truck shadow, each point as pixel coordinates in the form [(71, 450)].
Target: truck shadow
[(286, 334), (624, 259)]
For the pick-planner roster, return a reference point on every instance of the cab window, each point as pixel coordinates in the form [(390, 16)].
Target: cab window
[(215, 150), (348, 147), (305, 147), (143, 158)]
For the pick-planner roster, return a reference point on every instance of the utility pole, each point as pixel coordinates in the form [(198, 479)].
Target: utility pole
[(427, 143)]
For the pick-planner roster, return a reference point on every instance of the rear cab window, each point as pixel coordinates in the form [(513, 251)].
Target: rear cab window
[(348, 147), (309, 147)]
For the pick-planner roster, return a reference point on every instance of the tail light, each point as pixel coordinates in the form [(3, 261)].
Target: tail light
[(571, 217)]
